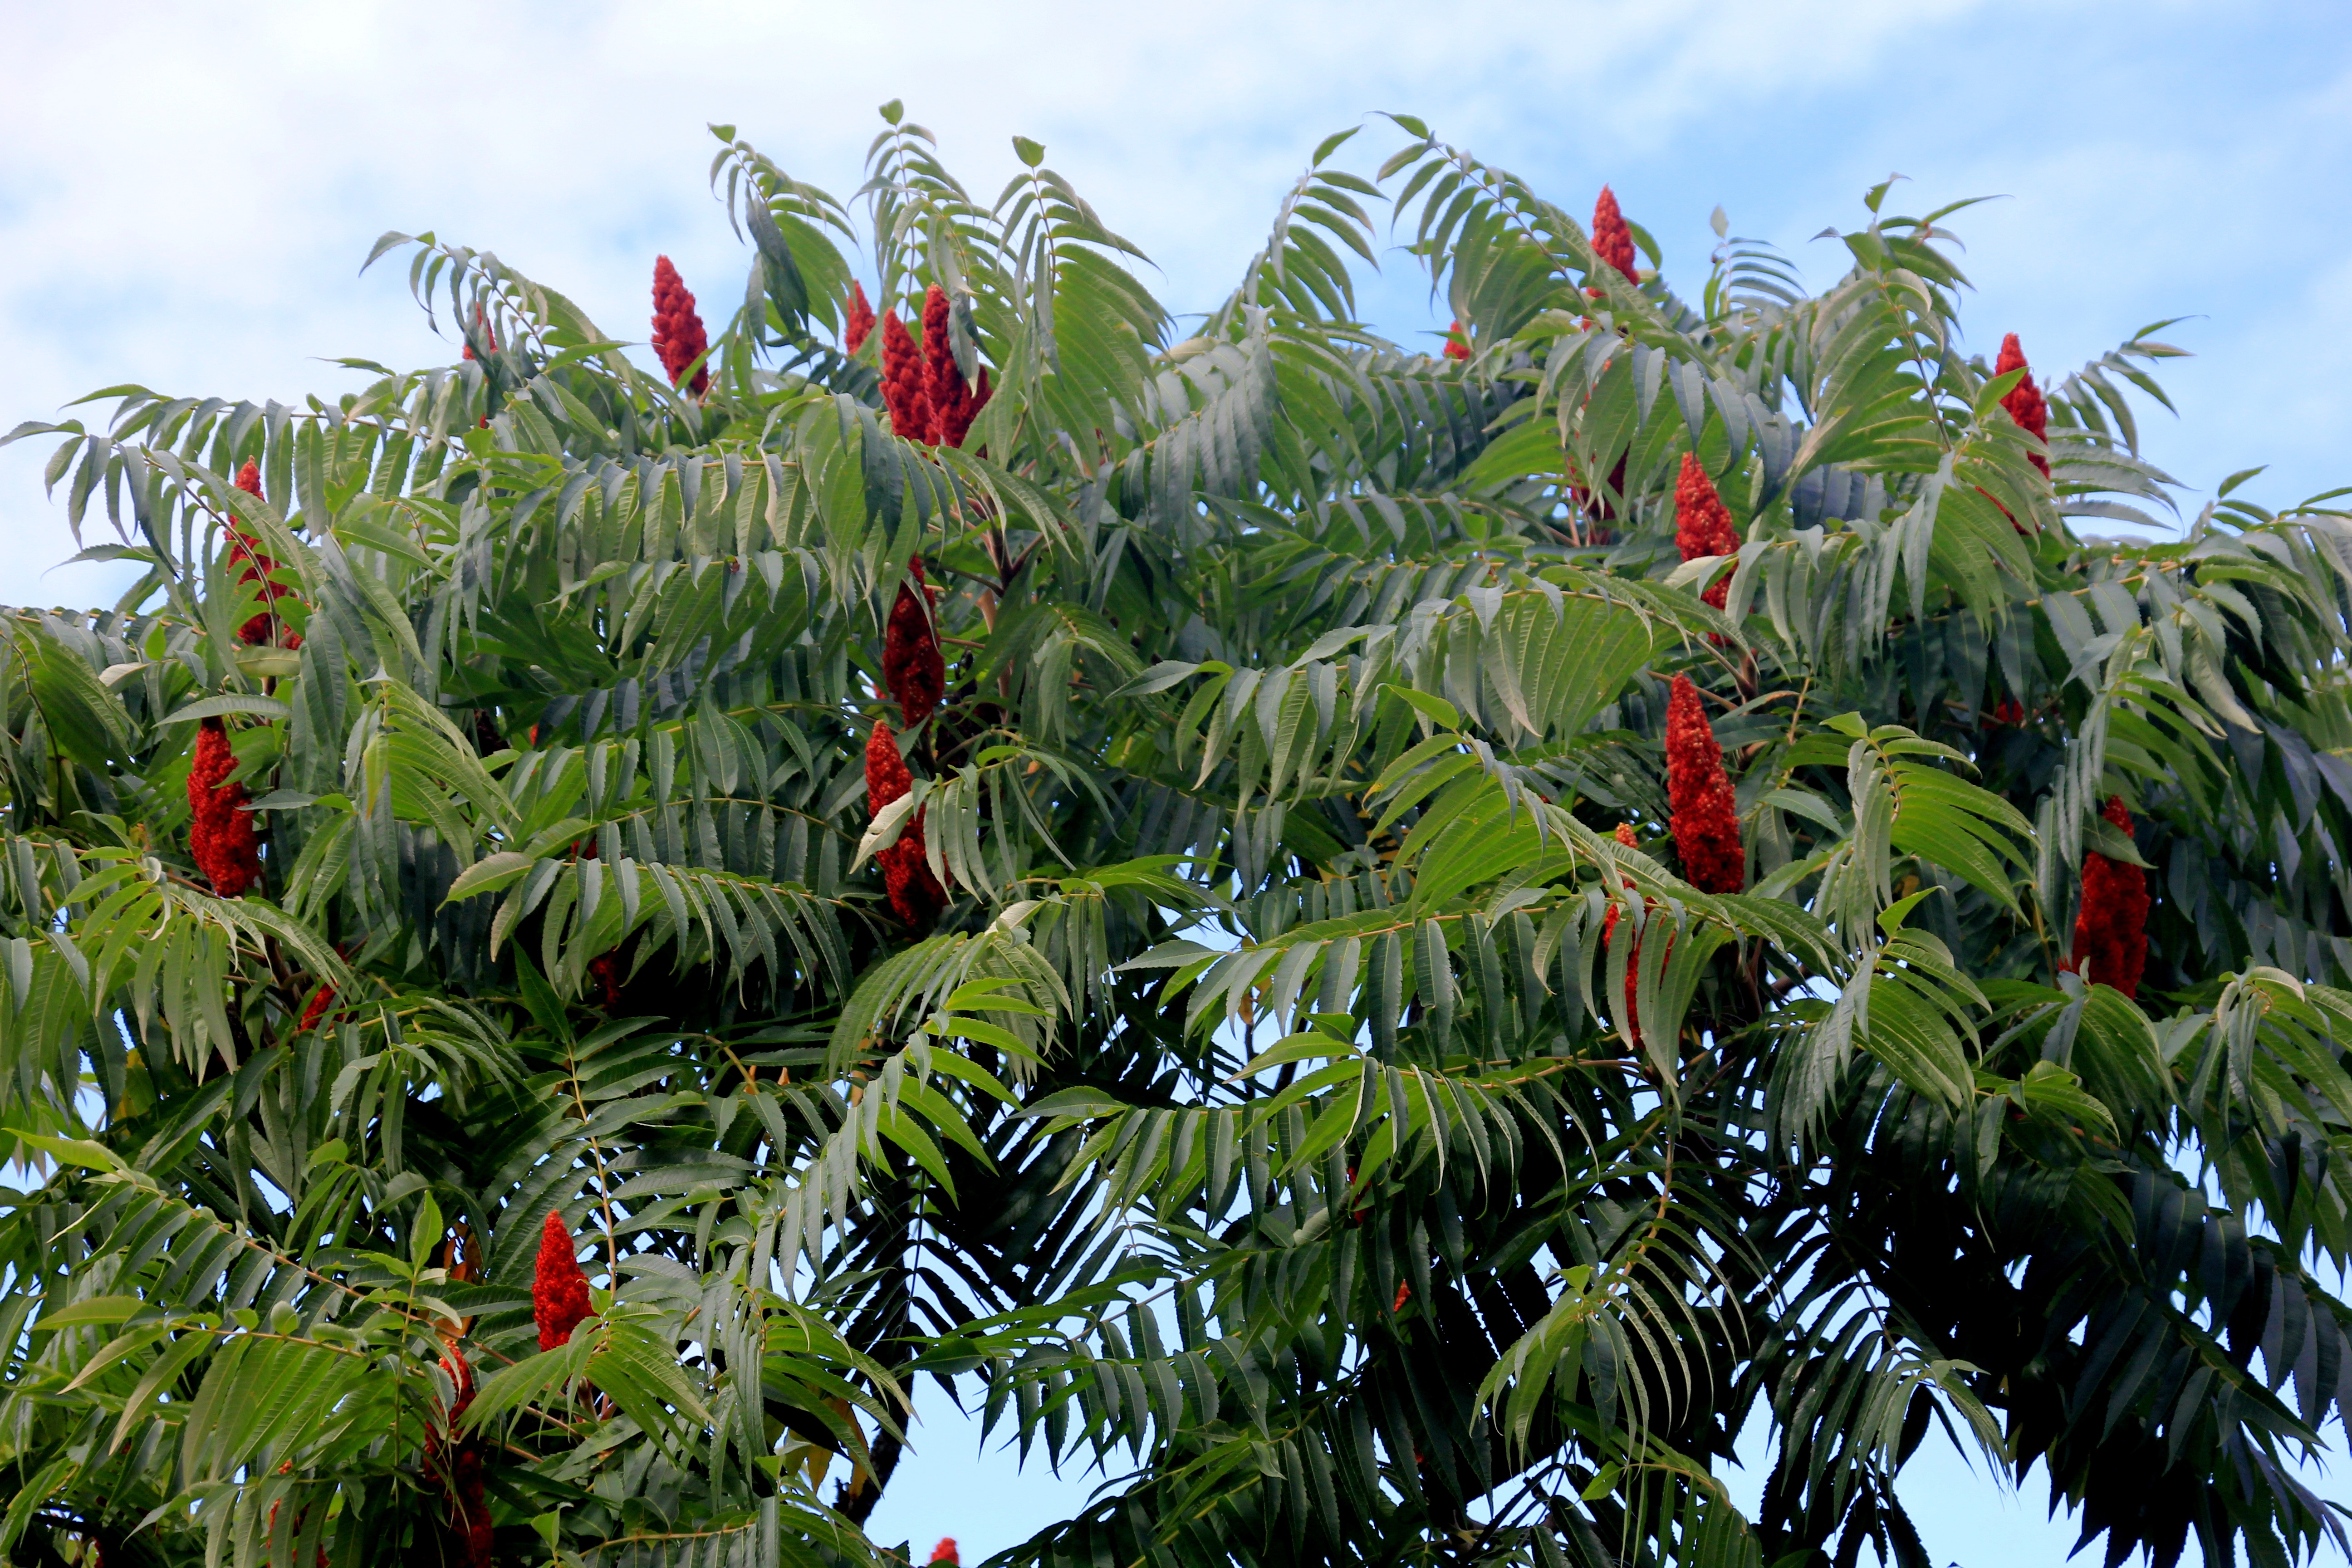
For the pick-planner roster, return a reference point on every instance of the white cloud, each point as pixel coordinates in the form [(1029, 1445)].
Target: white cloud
[(189, 191)]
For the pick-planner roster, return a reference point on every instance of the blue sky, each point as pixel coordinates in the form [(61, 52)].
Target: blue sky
[(187, 192)]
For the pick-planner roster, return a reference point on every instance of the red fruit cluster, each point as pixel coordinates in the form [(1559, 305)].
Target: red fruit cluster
[(1457, 342), (678, 336), (220, 837), (859, 325), (1706, 819), (912, 664), (887, 775), (2007, 710), (954, 405), (2111, 927), (605, 969), (1624, 834), (482, 325), (943, 386), (2024, 401), (1703, 524), (320, 1001), (945, 1551), (916, 895), (259, 570), (903, 390), (1611, 237), (559, 1291)]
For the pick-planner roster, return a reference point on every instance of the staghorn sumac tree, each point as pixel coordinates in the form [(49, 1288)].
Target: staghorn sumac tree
[(1392, 946)]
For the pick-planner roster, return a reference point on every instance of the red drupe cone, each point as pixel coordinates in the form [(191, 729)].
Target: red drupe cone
[(1706, 812), (912, 666), (954, 402), (558, 1290), (1457, 343), (261, 571), (858, 324), (481, 325), (886, 778), (943, 383), (945, 1551), (320, 1001), (243, 546), (976, 400), (1624, 834), (2024, 401), (902, 380), (2111, 927), (678, 336), (1611, 237), (916, 895), (605, 969), (220, 836), (1703, 524)]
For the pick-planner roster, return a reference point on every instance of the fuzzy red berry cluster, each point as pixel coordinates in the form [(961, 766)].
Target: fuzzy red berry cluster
[(2024, 402), (924, 391), (679, 337), (605, 969), (903, 392), (915, 672), (259, 570), (321, 1001), (1702, 524), (954, 405), (859, 323), (945, 1551), (489, 338), (1612, 236), (1706, 819), (558, 1290), (1613, 240), (916, 896), (1624, 834), (2111, 925), (1457, 342), (912, 666), (489, 341), (220, 836)]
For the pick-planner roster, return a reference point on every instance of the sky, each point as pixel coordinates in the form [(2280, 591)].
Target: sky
[(187, 191)]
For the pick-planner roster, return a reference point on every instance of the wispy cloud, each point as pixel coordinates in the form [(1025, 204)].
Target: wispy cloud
[(188, 191)]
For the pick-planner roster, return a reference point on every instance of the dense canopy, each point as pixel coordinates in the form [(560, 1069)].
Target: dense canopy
[(1391, 944)]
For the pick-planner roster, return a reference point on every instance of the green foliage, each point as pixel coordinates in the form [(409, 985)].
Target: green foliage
[(1306, 1107)]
